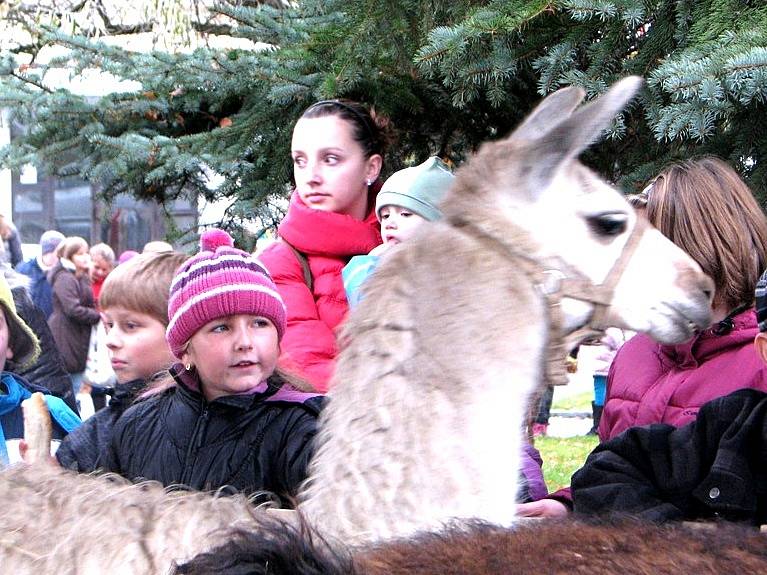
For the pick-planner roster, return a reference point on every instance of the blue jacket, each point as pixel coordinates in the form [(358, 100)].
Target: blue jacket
[(14, 390), (354, 274), (40, 289)]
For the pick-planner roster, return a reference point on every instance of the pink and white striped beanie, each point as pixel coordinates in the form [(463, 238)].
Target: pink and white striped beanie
[(219, 281)]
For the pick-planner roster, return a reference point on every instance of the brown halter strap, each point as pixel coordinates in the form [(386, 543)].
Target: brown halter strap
[(559, 281)]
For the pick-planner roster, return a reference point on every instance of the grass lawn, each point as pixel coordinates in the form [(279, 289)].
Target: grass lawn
[(579, 402), (562, 456)]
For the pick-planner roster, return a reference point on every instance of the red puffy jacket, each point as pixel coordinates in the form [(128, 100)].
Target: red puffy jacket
[(329, 240)]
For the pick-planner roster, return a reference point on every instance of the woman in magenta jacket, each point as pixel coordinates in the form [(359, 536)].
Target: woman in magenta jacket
[(337, 152), (705, 208)]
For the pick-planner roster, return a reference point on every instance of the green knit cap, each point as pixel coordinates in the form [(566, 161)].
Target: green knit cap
[(418, 189), (22, 341)]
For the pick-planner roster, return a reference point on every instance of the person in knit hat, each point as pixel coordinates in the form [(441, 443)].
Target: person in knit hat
[(19, 347), (22, 345), (225, 417), (406, 200), (37, 270), (127, 255), (418, 190)]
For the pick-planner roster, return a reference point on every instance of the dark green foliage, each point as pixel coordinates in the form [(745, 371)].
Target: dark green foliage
[(448, 74)]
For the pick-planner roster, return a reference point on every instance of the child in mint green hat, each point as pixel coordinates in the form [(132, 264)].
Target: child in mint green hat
[(407, 199)]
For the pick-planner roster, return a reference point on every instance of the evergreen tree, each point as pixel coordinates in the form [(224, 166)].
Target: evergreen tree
[(448, 74)]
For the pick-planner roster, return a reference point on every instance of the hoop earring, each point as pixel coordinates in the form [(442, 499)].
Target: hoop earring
[(188, 367)]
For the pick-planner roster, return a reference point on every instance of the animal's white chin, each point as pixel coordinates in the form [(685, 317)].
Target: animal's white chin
[(677, 323), (672, 332)]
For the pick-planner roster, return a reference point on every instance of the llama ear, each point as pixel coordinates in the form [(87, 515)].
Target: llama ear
[(549, 113), (573, 133)]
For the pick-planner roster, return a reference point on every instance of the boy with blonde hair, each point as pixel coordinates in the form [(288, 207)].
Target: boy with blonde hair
[(134, 308)]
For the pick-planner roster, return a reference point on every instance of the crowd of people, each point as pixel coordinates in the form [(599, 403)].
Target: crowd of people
[(219, 363)]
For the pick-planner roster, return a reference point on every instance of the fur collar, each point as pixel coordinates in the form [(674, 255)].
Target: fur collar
[(68, 265)]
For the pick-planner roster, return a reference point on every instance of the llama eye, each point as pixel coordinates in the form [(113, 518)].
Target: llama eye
[(608, 225)]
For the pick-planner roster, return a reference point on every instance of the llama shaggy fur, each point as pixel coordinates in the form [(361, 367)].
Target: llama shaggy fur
[(424, 424), (54, 521)]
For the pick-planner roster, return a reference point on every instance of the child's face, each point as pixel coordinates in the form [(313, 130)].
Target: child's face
[(398, 224), (233, 354), (5, 343), (330, 167), (136, 344), (100, 268)]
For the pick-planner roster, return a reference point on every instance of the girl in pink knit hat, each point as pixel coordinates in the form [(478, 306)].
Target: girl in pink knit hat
[(229, 419)]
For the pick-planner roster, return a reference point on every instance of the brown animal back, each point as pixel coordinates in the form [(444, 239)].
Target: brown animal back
[(568, 547)]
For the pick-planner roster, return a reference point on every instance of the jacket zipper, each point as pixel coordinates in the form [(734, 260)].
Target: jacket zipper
[(195, 443)]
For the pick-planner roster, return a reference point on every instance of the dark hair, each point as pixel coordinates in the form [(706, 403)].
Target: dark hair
[(273, 547), (369, 129), (705, 208)]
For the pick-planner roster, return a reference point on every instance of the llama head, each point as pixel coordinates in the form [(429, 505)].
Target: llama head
[(533, 179)]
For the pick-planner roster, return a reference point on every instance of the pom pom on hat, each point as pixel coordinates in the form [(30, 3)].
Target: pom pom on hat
[(126, 255), (215, 238), (218, 282)]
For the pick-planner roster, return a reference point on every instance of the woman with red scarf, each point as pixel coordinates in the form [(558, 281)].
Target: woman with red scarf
[(337, 151)]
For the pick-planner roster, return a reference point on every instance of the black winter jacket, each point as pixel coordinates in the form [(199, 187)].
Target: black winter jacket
[(84, 449), (714, 466), (243, 443)]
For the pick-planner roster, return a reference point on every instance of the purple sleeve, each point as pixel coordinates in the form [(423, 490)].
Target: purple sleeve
[(532, 471)]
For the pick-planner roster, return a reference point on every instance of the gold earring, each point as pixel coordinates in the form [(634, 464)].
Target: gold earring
[(188, 367)]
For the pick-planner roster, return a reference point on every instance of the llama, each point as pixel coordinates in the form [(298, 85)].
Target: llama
[(424, 420)]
